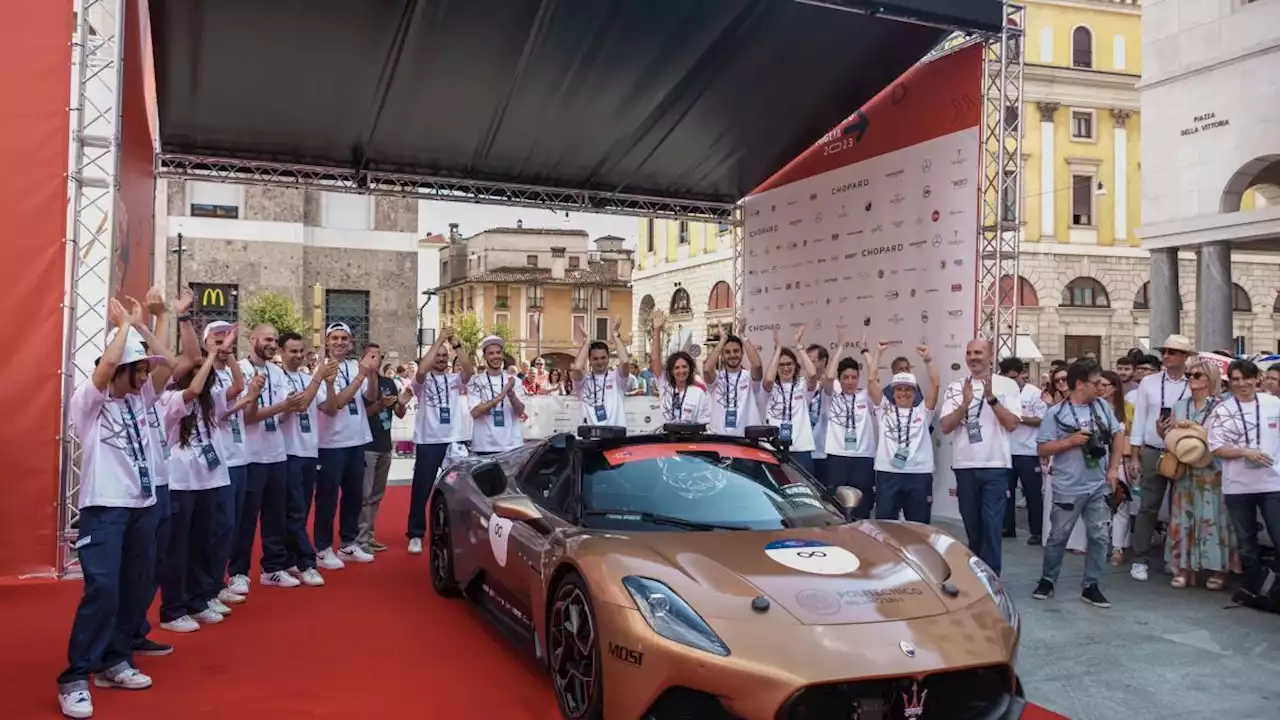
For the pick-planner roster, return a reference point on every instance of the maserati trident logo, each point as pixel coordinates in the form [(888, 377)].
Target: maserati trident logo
[(913, 704), (907, 649)]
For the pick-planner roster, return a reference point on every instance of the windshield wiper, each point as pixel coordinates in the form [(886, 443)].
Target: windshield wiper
[(657, 519)]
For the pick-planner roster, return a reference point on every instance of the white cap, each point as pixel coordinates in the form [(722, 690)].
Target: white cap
[(333, 327), (134, 349), (904, 379), (215, 326), (491, 340)]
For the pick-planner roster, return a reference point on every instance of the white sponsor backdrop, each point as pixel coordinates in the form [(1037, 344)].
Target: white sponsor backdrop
[(887, 247)]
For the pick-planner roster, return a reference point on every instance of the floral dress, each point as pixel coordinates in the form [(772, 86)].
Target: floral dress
[(1201, 536)]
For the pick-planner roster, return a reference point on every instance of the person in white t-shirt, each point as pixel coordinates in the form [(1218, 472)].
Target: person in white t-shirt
[(980, 412), (344, 431), (299, 426), (734, 389), (497, 403), (442, 410), (818, 401), (600, 389), (684, 400), (789, 382), (1026, 459), (1244, 432), (228, 380), (904, 447), (117, 528), (849, 429)]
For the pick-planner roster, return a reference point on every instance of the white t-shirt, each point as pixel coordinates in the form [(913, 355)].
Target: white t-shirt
[(1022, 440), (498, 430), (349, 427), (601, 396), (734, 391), (300, 430), (788, 402), (693, 406), (266, 437), (850, 431), (1255, 425), (112, 436), (1153, 393), (435, 392), (994, 450), (817, 404), (231, 430), (190, 465), (904, 426)]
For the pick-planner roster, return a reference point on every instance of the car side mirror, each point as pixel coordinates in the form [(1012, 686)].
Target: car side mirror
[(847, 497), (517, 509), (489, 477)]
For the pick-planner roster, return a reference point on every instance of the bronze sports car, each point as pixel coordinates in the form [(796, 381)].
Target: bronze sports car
[(687, 576)]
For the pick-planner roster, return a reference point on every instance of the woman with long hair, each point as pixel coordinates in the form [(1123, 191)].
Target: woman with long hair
[(554, 384), (1111, 392), (684, 399), (1200, 537), (789, 381)]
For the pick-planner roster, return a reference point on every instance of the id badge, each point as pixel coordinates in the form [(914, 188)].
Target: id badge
[(304, 423), (899, 460), (499, 418), (784, 432), (144, 474), (600, 414), (269, 424), (210, 457), (351, 408), (444, 414), (731, 418), (850, 439), (975, 432), (236, 437), (386, 421)]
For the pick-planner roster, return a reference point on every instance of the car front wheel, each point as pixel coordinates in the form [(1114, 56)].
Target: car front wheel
[(441, 549), (573, 651)]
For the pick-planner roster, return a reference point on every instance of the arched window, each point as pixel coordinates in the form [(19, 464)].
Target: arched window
[(1082, 47), (1025, 292), (1275, 306), (1085, 292), (1240, 301), (680, 302), (721, 297), (644, 318), (1142, 299)]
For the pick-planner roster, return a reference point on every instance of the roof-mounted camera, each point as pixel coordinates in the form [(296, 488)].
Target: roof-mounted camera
[(684, 429), (760, 432), (601, 432)]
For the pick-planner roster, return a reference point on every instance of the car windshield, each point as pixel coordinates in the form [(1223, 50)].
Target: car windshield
[(683, 486)]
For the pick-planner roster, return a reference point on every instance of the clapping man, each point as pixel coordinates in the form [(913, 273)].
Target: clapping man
[(377, 454), (497, 403), (300, 431)]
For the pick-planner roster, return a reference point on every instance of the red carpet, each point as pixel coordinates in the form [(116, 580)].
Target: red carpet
[(374, 643)]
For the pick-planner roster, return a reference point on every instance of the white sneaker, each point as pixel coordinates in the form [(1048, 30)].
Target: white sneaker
[(128, 679), (279, 578), (415, 546), (327, 560), (239, 584), (207, 617), (312, 578), (1138, 571), (355, 553), (226, 597), (183, 624), (76, 704), (217, 606)]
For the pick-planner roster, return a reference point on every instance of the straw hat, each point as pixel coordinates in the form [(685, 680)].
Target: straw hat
[(1190, 445), (1181, 343)]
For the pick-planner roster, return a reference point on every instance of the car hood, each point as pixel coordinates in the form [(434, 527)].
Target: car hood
[(820, 576)]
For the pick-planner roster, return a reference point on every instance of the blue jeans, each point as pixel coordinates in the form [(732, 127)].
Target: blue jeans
[(299, 551), (910, 493), (1026, 470), (228, 513), (117, 549), (1244, 511), (341, 470), (426, 466), (855, 472), (982, 493), (184, 581), (1064, 513), (163, 523)]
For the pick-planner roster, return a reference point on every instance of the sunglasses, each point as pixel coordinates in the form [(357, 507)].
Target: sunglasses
[(1196, 375)]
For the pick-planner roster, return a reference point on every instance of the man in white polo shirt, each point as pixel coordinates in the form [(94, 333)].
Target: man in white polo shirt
[(980, 413), (1153, 405), (1026, 458), (735, 389), (300, 429), (601, 389), (344, 431), (497, 403), (440, 421)]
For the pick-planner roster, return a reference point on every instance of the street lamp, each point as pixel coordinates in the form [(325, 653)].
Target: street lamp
[(427, 295), (179, 252)]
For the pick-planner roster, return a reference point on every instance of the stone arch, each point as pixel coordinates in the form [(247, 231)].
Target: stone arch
[(1262, 170)]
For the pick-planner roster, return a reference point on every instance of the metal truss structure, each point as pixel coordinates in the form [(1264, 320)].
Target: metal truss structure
[(97, 84), (1001, 188), (425, 187)]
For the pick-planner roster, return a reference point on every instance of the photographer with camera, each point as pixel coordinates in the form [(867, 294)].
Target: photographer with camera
[(1085, 440)]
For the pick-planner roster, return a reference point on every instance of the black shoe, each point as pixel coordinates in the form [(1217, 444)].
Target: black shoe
[(1094, 597), (1009, 533), (1034, 540), (150, 647), (1043, 591)]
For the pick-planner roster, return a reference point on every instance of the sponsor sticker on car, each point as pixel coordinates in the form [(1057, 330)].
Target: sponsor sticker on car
[(812, 556)]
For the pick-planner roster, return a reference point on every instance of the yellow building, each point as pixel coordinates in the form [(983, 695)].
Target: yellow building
[(684, 269), (545, 285)]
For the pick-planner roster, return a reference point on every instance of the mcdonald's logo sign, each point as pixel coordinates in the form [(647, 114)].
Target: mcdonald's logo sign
[(220, 297), (213, 297)]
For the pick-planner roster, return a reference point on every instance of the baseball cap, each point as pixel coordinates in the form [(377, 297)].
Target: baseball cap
[(215, 326), (334, 327), (903, 378), (491, 340)]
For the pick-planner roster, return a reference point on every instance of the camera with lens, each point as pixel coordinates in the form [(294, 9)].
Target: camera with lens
[(1098, 444)]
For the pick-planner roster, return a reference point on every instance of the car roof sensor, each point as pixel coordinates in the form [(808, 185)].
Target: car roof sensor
[(601, 432), (681, 429), (760, 432)]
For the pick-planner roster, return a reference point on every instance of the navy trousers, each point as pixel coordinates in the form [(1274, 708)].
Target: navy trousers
[(163, 523), (982, 493), (426, 466), (855, 472), (299, 552), (228, 513), (908, 493), (184, 582), (341, 472)]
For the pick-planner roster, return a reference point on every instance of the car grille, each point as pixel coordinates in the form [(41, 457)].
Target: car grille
[(973, 694), (680, 703)]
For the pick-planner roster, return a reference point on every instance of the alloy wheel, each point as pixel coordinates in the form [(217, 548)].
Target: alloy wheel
[(572, 650)]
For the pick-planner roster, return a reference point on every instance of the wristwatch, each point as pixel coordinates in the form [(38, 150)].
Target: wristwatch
[(993, 401), (184, 317)]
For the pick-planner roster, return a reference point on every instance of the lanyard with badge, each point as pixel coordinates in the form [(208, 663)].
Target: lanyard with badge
[(441, 388), (385, 413), (903, 432), (207, 450), (815, 409), (1164, 378), (346, 380), (499, 413), (677, 403), (159, 428), (233, 421), (269, 424), (597, 395), (731, 399), (1244, 424), (850, 422), (137, 451), (784, 428), (304, 417), (974, 425)]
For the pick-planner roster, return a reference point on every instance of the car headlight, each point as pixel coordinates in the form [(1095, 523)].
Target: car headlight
[(996, 589), (671, 617)]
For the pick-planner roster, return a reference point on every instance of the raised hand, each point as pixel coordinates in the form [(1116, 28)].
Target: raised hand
[(923, 350), (777, 341), (329, 370), (156, 302), (617, 326), (256, 384), (967, 398), (368, 365), (883, 345), (800, 335), (658, 318), (135, 311), (116, 313), (447, 334), (511, 385), (185, 300)]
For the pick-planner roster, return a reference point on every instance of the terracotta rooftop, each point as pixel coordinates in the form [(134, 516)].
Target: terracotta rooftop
[(592, 275)]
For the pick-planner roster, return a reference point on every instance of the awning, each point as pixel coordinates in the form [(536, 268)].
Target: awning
[(1025, 348), (1145, 343)]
